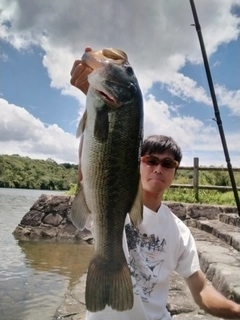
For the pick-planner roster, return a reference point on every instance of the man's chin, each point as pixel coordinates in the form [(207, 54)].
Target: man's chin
[(155, 187)]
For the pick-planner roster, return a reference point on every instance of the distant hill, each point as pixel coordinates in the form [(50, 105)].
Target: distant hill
[(23, 172)]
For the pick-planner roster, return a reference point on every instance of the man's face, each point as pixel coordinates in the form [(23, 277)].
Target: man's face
[(155, 176)]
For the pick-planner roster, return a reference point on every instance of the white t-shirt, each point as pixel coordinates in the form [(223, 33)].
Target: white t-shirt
[(161, 244)]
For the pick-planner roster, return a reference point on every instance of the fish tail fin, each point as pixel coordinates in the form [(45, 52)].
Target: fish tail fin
[(79, 210), (108, 283)]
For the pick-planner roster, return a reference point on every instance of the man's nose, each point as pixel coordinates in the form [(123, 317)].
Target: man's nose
[(158, 168)]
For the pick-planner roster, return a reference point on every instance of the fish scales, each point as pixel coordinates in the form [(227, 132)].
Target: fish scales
[(115, 179), (110, 188)]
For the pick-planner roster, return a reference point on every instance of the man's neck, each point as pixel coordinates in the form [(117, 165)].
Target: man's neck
[(152, 201)]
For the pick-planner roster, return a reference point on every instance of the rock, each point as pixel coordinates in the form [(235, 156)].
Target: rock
[(232, 219), (22, 232), (53, 219), (49, 219), (67, 231), (33, 218), (84, 235), (178, 209), (197, 211), (43, 232)]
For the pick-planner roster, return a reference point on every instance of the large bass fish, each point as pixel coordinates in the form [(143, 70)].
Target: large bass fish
[(111, 130)]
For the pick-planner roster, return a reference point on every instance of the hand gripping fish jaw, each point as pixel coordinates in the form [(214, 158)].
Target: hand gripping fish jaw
[(95, 59)]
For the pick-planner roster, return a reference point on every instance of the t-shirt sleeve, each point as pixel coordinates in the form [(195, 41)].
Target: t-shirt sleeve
[(188, 261)]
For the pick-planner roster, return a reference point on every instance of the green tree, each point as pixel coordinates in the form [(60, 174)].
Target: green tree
[(23, 172)]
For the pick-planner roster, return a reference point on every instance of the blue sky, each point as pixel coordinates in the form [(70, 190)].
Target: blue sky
[(39, 41), (29, 87)]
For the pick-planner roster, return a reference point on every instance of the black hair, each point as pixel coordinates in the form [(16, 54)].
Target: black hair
[(161, 144)]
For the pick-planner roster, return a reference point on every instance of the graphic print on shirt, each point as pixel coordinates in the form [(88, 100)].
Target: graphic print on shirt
[(146, 259)]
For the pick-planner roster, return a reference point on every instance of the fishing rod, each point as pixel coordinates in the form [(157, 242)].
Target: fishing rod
[(215, 104)]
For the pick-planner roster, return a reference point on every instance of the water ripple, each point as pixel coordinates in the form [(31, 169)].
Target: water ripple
[(34, 276)]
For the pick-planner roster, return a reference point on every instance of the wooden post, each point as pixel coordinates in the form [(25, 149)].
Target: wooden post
[(195, 177)]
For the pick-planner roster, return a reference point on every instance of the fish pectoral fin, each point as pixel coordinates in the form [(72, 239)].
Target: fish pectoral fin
[(101, 125), (108, 283), (81, 125), (79, 210), (136, 212)]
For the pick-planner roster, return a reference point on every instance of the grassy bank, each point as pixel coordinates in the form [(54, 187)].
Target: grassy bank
[(188, 196), (205, 196)]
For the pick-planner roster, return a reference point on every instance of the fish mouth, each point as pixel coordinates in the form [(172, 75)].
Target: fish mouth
[(101, 89), (106, 97)]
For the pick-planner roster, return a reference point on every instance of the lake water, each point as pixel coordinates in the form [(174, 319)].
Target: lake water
[(34, 276)]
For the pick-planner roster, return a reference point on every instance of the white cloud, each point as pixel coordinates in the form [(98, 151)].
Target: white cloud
[(186, 88), (159, 40), (229, 98), (22, 133), (160, 120), (195, 138), (164, 42)]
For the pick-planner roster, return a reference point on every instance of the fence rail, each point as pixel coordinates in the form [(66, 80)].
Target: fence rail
[(195, 184)]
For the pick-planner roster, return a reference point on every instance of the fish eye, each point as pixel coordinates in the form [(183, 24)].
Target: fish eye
[(129, 70)]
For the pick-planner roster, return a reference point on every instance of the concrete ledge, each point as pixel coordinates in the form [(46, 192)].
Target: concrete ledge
[(230, 218), (227, 233), (218, 260), (73, 307)]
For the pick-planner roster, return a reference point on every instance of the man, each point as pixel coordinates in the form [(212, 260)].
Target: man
[(161, 243)]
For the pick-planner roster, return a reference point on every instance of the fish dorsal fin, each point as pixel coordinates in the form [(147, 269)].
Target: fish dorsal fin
[(101, 126), (81, 125)]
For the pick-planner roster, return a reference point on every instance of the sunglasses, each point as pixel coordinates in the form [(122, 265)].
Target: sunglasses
[(154, 162)]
